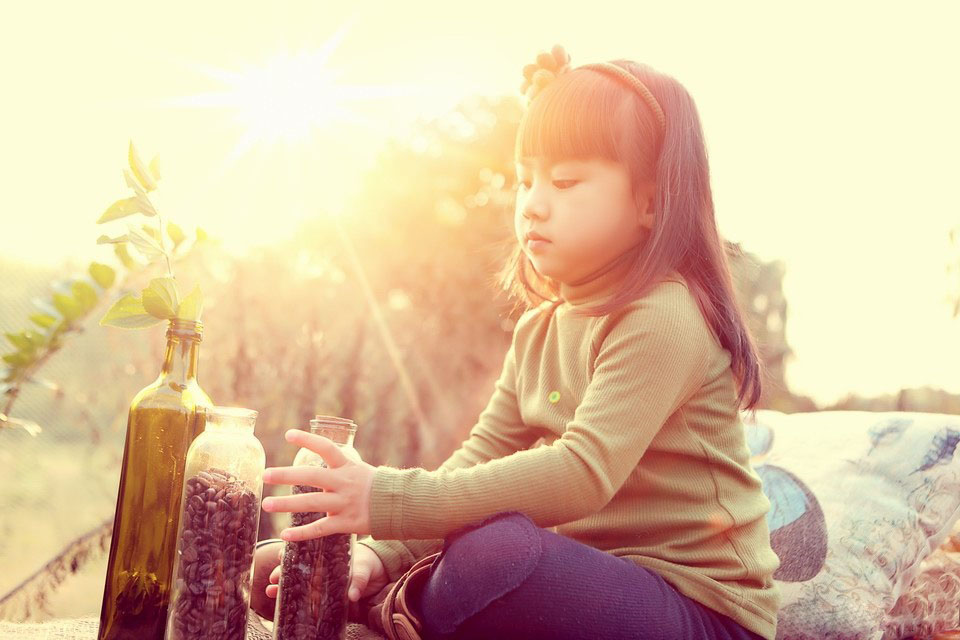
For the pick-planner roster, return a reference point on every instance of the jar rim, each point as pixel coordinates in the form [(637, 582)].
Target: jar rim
[(333, 421), (235, 413)]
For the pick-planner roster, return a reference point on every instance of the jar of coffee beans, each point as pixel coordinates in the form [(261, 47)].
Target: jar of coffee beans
[(314, 575), (223, 482)]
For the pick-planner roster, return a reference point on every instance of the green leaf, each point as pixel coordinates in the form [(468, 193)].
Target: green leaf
[(139, 171), (20, 341), (161, 298), (126, 207), (102, 274), (146, 207), (128, 313), (123, 254), (116, 240), (145, 243), (85, 295), (43, 320), (131, 182), (155, 167), (153, 233), (17, 359), (68, 307), (192, 305), (176, 234), (36, 339)]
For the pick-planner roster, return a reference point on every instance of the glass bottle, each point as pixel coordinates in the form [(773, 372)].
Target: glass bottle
[(315, 574), (161, 424), (218, 529)]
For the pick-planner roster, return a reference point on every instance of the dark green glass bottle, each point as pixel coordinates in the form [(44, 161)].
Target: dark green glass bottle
[(161, 424)]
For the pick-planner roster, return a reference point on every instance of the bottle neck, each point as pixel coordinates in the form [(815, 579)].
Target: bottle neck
[(180, 362)]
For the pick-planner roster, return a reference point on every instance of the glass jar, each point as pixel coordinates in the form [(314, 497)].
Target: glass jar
[(315, 574), (161, 424), (218, 529)]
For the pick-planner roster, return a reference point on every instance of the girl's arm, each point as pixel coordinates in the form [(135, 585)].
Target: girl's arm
[(499, 431), (649, 360)]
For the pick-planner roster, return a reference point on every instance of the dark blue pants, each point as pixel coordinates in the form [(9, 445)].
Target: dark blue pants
[(505, 578)]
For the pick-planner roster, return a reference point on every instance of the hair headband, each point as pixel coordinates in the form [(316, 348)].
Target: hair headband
[(556, 62)]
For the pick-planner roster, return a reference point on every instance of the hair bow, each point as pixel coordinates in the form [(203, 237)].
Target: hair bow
[(539, 74)]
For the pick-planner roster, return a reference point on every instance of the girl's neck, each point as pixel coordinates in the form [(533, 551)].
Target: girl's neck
[(600, 284)]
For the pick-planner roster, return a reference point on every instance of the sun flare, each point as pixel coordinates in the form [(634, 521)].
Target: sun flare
[(289, 97)]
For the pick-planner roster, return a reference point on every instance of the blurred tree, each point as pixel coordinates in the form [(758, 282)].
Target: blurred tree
[(759, 288)]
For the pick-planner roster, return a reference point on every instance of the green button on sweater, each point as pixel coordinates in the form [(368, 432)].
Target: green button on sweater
[(621, 432)]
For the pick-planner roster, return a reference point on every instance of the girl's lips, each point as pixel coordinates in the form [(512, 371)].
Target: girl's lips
[(536, 245)]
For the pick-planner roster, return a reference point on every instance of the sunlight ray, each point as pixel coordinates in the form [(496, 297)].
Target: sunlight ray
[(389, 343)]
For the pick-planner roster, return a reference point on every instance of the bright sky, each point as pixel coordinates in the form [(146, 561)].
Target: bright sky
[(831, 127)]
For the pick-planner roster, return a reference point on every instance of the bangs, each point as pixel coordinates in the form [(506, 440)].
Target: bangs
[(578, 116)]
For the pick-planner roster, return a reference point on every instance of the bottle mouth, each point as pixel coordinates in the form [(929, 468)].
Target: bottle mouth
[(185, 328)]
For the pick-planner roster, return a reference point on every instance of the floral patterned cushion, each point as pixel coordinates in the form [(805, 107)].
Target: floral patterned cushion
[(858, 501), (931, 604)]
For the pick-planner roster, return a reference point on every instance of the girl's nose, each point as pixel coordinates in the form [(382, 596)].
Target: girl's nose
[(528, 211)]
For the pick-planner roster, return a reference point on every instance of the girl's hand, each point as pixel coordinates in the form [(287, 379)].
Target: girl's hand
[(369, 574), (346, 485), (274, 585), (266, 562), (368, 578)]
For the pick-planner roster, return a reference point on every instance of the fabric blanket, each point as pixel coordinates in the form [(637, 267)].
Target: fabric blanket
[(86, 629)]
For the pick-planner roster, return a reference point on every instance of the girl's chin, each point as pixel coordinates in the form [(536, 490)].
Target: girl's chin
[(543, 268)]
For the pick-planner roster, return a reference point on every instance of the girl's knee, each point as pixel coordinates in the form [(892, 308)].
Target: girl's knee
[(480, 563), (479, 549), (493, 528)]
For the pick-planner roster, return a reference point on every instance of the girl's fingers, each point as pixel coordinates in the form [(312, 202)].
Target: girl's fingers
[(275, 575), (316, 529), (272, 590), (314, 501), (310, 475), (323, 447)]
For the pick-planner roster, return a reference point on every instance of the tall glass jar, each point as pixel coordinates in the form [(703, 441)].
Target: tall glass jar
[(315, 574), (161, 424), (218, 529)]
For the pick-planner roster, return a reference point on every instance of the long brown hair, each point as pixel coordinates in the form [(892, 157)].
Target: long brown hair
[(586, 114)]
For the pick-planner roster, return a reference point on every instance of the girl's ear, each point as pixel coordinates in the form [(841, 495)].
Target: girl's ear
[(646, 220), (645, 213)]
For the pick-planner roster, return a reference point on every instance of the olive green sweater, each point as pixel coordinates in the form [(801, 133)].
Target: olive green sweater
[(620, 431)]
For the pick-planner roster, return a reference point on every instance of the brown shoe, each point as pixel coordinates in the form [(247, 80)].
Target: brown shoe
[(394, 611)]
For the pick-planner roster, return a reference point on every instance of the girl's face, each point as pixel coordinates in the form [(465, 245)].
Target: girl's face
[(584, 209)]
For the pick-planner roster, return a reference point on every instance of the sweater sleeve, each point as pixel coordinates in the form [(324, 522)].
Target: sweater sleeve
[(650, 357), (499, 431)]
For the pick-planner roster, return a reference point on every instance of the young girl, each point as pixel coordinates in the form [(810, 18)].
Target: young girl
[(605, 491)]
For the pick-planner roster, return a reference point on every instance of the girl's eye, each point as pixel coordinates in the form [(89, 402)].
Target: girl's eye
[(569, 184)]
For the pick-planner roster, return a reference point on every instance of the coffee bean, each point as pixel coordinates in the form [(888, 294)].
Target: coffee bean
[(216, 557), (314, 577)]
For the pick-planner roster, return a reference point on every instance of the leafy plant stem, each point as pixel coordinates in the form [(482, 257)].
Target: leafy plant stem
[(14, 390)]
